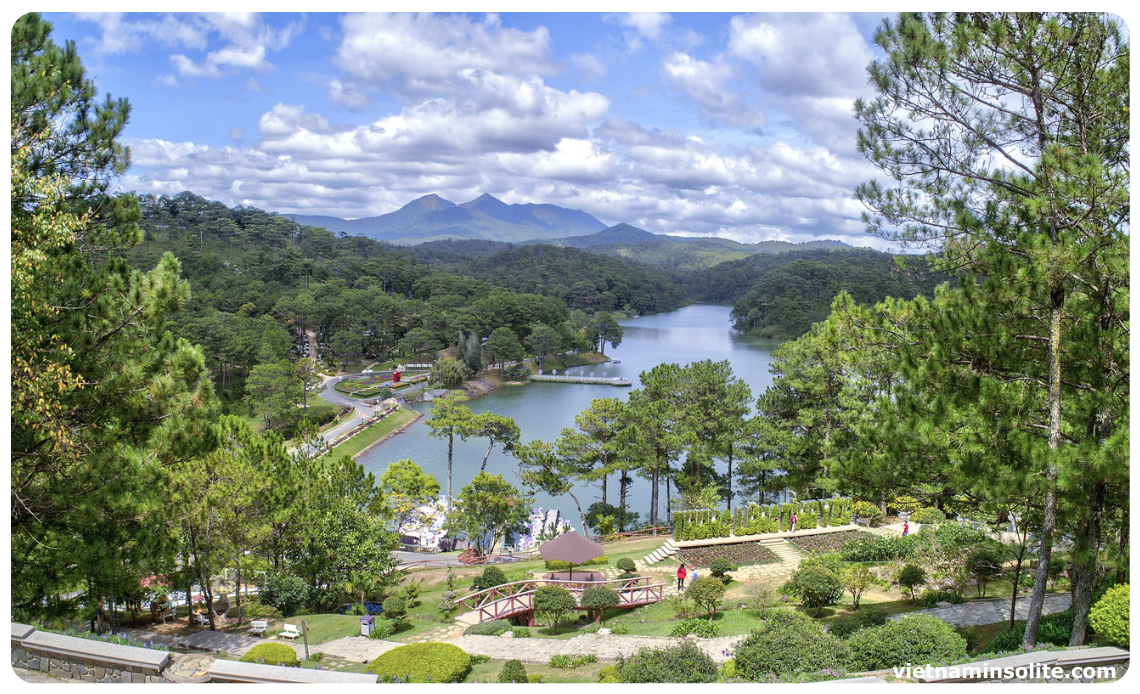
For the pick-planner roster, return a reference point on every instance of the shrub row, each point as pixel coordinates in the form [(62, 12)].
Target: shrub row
[(556, 565), (755, 519), (422, 662)]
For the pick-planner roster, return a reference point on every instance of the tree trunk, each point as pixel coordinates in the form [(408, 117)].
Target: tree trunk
[(623, 489), (487, 455), (580, 512), (668, 499), (1086, 550), (1121, 562), (730, 477), (653, 496), (605, 484), (450, 450), (237, 588), (1049, 523)]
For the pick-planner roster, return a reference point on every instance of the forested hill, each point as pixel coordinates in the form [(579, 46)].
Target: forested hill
[(781, 296), (676, 254), (256, 276), (583, 280)]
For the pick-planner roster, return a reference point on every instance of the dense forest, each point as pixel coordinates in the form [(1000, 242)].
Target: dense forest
[(256, 277)]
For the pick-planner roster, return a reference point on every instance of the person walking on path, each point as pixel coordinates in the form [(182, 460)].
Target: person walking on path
[(906, 528), (795, 519), (681, 577)]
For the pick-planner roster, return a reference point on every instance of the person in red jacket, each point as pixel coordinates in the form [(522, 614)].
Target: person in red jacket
[(681, 572)]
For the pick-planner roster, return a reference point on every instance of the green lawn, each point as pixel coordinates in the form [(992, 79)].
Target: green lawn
[(489, 672), (322, 627), (373, 434)]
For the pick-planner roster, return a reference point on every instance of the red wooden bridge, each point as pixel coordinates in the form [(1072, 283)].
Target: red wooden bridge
[(517, 598)]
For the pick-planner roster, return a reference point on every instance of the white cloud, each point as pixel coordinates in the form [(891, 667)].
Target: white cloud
[(709, 85), (119, 35), (426, 54), (802, 53), (588, 65), (347, 95), (648, 24)]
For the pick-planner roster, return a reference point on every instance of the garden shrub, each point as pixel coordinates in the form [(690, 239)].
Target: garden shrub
[(1054, 629), (707, 593), (917, 638), (619, 630), (565, 662), (492, 576), (846, 625), (931, 598), (271, 654), (626, 564), (683, 606), (904, 504), (721, 566), (319, 599), (1109, 616), (535, 678), (491, 628), (910, 577), (865, 509), (790, 643), (512, 672), (395, 608), (856, 579), (685, 663), (521, 632), (816, 586), (383, 628), (423, 662), (948, 537), (558, 565), (697, 627), (609, 675), (928, 516), (284, 592), (598, 599), (728, 669), (1056, 570), (879, 549), (551, 603)]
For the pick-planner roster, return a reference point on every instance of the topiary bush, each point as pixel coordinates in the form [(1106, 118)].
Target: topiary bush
[(720, 568), (395, 608), (917, 638), (697, 627), (626, 564), (846, 625), (865, 509), (706, 592), (492, 576), (271, 654), (682, 663), (598, 599), (422, 662), (984, 563), (491, 628), (816, 586), (552, 603), (1109, 616), (790, 643), (928, 516), (910, 577), (512, 672), (383, 628)]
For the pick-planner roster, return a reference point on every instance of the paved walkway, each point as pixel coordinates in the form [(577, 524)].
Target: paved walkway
[(978, 612), (606, 648)]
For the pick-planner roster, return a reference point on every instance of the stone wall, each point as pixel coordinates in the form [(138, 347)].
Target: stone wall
[(70, 657)]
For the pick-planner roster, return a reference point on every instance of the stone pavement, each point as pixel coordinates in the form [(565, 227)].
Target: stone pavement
[(353, 648), (978, 612), (605, 647)]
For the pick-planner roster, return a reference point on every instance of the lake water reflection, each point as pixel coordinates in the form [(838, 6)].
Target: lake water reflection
[(542, 410)]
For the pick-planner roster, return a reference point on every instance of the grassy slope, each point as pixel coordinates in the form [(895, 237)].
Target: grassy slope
[(371, 435)]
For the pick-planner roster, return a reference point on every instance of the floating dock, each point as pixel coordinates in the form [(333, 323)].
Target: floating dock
[(588, 380)]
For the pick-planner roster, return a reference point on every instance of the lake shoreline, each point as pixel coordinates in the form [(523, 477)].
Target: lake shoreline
[(398, 430)]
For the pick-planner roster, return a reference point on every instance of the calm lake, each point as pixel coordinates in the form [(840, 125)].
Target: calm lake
[(542, 410)]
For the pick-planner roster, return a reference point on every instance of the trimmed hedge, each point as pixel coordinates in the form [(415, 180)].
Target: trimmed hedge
[(862, 618), (422, 662), (513, 672), (271, 654), (928, 516), (917, 638), (557, 565), (756, 519), (697, 627)]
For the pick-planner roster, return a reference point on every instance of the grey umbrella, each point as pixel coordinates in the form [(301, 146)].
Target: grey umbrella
[(571, 547)]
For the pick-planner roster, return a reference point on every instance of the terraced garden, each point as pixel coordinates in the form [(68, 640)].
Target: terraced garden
[(370, 385), (742, 553), (828, 542)]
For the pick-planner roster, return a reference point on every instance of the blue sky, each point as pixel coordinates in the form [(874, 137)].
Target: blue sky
[(736, 125)]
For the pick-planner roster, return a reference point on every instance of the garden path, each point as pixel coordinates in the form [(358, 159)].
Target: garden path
[(606, 648), (979, 612)]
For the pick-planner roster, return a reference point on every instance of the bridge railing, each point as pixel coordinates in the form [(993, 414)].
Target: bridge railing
[(638, 587)]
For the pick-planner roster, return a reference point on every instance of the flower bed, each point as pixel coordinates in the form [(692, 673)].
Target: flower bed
[(828, 542), (742, 553)]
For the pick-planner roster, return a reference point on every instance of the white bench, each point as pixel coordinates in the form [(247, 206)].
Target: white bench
[(290, 632), (164, 615), (201, 618), (259, 626)]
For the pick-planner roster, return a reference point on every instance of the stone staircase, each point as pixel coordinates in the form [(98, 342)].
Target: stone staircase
[(668, 549), (786, 551)]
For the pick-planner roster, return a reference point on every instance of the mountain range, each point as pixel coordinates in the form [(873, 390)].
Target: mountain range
[(432, 218)]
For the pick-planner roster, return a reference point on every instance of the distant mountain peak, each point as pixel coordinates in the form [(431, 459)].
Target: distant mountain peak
[(431, 201)]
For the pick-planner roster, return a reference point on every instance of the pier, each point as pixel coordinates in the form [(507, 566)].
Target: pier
[(588, 380)]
